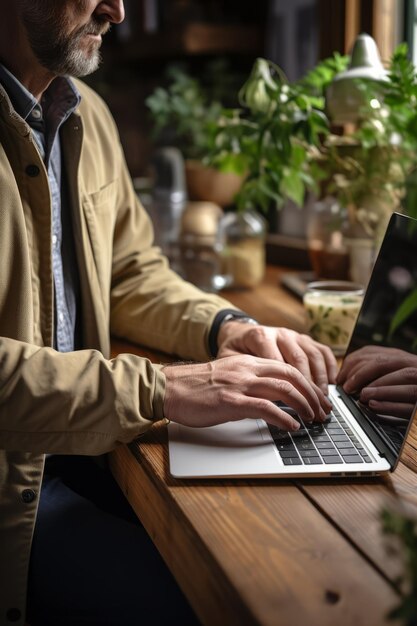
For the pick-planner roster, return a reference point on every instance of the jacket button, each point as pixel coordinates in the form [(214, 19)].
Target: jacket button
[(32, 170), (13, 615), (28, 495)]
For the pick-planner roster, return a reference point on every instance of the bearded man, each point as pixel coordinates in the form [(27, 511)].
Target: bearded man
[(78, 262)]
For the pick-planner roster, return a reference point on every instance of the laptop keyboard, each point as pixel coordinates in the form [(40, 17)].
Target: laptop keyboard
[(331, 442)]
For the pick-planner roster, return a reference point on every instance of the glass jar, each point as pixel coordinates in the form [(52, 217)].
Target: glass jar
[(242, 236), (332, 307), (327, 251)]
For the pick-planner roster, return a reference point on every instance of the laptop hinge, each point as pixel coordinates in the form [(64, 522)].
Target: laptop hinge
[(384, 447)]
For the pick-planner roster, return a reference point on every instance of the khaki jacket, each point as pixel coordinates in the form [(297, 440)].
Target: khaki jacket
[(79, 402)]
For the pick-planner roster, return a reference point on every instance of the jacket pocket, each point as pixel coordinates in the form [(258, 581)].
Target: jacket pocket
[(100, 210), (102, 200)]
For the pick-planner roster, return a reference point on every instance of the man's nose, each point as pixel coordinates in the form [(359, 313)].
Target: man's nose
[(113, 10)]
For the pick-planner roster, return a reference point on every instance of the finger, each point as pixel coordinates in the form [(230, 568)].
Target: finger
[(398, 409), (283, 390), (322, 362), (296, 356), (261, 408), (362, 375), (395, 393), (283, 373), (278, 417), (399, 377), (325, 403)]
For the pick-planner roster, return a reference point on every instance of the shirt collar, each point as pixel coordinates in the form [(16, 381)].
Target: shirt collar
[(61, 89)]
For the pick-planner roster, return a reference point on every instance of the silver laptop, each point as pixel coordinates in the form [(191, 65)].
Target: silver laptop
[(354, 441)]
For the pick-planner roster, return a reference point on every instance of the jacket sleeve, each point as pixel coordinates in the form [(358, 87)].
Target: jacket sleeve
[(76, 402), (150, 304)]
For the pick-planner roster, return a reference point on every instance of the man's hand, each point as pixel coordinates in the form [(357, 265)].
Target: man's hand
[(311, 358), (238, 387), (385, 378)]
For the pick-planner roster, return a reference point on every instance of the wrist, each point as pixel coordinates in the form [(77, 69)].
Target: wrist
[(223, 316), (229, 324)]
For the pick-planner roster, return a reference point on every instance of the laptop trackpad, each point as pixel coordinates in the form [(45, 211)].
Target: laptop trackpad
[(242, 448)]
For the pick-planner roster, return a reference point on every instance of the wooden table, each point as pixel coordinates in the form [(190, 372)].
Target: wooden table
[(269, 552)]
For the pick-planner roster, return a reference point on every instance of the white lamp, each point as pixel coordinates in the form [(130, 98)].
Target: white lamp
[(343, 97)]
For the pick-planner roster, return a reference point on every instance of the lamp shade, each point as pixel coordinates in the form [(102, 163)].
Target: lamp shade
[(344, 99)]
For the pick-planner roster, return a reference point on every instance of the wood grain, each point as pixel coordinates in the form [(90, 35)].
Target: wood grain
[(269, 552), (250, 552)]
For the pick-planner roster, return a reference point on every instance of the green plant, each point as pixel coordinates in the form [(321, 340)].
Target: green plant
[(377, 158), (403, 528), (273, 134), (184, 112), (284, 140)]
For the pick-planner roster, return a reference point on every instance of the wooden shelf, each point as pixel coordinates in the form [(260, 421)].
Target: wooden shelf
[(196, 38), (288, 251)]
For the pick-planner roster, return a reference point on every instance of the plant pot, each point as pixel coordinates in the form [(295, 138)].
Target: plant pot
[(207, 183)]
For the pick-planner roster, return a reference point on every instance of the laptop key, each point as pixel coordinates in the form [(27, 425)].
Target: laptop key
[(353, 458), (328, 452), (299, 434), (292, 461), (338, 437), (305, 445), (308, 453), (332, 459), (320, 437), (347, 451), (289, 454), (322, 445), (367, 459), (340, 445), (313, 460), (332, 430), (285, 446)]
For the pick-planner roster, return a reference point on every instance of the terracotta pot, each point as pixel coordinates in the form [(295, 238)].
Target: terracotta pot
[(207, 183)]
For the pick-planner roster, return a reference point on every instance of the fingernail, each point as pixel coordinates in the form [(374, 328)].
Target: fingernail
[(295, 425), (365, 393), (323, 414)]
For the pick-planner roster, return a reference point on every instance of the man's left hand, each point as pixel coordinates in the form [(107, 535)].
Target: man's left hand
[(311, 358)]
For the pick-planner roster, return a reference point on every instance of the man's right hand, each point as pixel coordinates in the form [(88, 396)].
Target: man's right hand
[(238, 387)]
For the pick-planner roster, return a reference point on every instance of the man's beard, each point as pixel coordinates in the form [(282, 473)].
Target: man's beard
[(57, 51)]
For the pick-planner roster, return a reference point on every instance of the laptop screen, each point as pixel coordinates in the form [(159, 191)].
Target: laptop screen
[(387, 324)]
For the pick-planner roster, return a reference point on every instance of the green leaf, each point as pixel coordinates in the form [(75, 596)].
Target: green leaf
[(407, 307), (293, 187)]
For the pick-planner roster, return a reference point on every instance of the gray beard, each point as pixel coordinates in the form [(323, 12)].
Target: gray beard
[(75, 63), (60, 54)]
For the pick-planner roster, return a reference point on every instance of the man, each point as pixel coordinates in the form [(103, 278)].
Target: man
[(77, 263)]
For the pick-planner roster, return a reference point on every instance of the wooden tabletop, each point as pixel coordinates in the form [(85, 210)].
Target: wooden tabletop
[(269, 551)]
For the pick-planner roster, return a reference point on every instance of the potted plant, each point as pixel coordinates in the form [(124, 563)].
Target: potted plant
[(186, 117), (273, 134), (285, 137)]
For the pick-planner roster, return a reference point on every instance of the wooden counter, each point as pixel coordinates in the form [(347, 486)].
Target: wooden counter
[(270, 552)]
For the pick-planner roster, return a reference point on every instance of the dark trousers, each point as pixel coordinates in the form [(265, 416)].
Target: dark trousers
[(92, 562)]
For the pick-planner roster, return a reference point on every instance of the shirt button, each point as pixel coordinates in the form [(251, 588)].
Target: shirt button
[(61, 316), (13, 615), (54, 240), (28, 496), (32, 170), (36, 114)]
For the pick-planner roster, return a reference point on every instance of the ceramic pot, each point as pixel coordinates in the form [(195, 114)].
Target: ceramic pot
[(207, 183)]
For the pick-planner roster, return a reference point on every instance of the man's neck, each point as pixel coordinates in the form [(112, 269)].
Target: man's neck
[(16, 54)]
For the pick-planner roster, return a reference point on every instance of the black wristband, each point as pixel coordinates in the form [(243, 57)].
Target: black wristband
[(217, 322)]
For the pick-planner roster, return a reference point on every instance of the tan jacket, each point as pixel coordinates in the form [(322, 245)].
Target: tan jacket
[(79, 402)]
